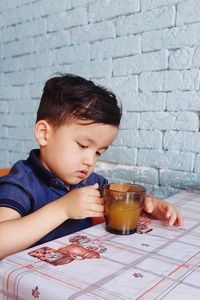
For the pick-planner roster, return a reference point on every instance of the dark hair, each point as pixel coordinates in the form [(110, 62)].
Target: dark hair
[(69, 96)]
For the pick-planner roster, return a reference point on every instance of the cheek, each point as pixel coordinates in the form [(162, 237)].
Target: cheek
[(70, 154)]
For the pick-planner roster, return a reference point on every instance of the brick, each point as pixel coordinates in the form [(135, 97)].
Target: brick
[(140, 63), (161, 191), (166, 159), (44, 73), (10, 144), (11, 119), (3, 132), (3, 107), (36, 60), (53, 40), (86, 3), (141, 102), (92, 69), (129, 120), (67, 19), (197, 164), (9, 4), (78, 16), (185, 58), (93, 32), (10, 64), (78, 53), (2, 79), (23, 46), (4, 157), (61, 69), (43, 8), (21, 133), (179, 179), (123, 154), (123, 87), (8, 34), (105, 9), (36, 90), (3, 5), (103, 167), (22, 106), (146, 21), (135, 174), (17, 15), (127, 173), (182, 141), (1, 50), (31, 29), (188, 12), (25, 92), (150, 4), (17, 119), (169, 121), (19, 78), (29, 145), (171, 38), (117, 47), (9, 92), (29, 119), (139, 139), (186, 101), (169, 81)]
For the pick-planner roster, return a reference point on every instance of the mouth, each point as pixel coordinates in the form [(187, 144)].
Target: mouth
[(81, 174)]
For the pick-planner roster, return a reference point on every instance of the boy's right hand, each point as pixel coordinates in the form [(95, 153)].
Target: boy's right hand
[(84, 202)]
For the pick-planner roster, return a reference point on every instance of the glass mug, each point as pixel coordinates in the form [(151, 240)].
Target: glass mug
[(123, 204)]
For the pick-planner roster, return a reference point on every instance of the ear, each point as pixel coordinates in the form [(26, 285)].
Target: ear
[(42, 130)]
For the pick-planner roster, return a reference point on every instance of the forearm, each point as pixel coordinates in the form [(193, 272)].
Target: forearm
[(19, 234)]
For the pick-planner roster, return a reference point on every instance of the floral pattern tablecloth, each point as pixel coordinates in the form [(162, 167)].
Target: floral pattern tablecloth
[(157, 262)]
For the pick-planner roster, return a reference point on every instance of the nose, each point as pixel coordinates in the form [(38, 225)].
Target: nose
[(89, 160)]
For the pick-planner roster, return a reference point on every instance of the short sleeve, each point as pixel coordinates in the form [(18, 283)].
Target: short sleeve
[(14, 197)]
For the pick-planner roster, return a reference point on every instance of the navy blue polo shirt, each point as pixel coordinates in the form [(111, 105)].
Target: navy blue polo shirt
[(29, 186)]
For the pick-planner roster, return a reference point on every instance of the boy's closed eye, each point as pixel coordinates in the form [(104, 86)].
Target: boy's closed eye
[(82, 146), (99, 153)]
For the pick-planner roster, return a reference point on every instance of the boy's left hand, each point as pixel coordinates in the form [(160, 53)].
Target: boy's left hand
[(163, 210)]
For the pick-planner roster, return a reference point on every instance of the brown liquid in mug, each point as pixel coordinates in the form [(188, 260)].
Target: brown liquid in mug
[(123, 217), (121, 211)]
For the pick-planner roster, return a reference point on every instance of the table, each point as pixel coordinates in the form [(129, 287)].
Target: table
[(163, 263)]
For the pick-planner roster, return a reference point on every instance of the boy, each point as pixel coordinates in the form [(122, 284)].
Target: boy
[(55, 192)]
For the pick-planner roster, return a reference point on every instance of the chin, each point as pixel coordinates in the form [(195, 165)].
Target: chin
[(75, 181)]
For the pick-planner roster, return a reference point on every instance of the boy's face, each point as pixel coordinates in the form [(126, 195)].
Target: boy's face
[(71, 151)]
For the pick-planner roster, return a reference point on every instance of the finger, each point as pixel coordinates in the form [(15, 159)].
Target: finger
[(179, 219), (93, 214), (100, 201), (96, 208), (148, 204), (95, 200), (91, 187), (172, 218), (95, 186), (170, 210), (94, 193), (94, 196)]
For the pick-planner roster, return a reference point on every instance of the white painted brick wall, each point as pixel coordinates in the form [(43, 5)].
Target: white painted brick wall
[(146, 51), (140, 63), (106, 9)]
